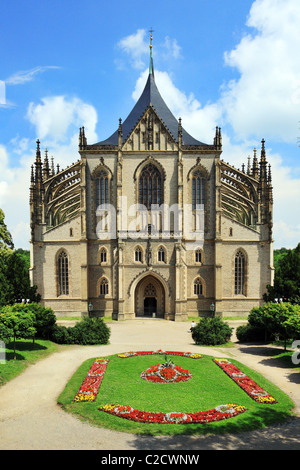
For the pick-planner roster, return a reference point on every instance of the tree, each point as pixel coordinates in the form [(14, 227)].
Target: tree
[(45, 318), (6, 247), (14, 270), (279, 319), (17, 275), (6, 242), (287, 276), (20, 324)]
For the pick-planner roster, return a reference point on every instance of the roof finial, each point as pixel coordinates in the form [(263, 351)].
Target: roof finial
[(151, 68)]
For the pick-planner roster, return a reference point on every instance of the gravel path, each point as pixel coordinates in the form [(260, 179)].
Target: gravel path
[(31, 419)]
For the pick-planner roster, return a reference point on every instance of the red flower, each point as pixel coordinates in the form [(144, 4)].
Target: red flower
[(248, 385)]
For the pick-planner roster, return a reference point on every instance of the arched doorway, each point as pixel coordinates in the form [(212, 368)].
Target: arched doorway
[(149, 298)]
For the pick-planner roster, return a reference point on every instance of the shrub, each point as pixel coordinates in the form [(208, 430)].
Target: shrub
[(60, 334), (280, 320), (87, 331), (90, 331), (248, 333), (211, 331), (45, 319)]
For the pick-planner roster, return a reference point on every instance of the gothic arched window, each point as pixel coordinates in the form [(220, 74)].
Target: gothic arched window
[(138, 254), (63, 274), (161, 255), (239, 273), (102, 188), (198, 287), (150, 186), (104, 286), (198, 256), (103, 255), (198, 189)]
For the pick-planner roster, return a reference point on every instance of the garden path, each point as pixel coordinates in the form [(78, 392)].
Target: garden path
[(31, 419)]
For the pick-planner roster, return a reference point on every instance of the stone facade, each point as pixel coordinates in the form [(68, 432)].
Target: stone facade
[(124, 260)]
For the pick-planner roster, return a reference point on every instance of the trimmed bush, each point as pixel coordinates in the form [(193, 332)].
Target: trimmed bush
[(248, 333), (87, 331), (90, 331), (60, 335), (211, 331)]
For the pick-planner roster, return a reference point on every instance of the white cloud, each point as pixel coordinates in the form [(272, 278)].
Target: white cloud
[(24, 76), (266, 96), (57, 116), (172, 48), (56, 121), (136, 47)]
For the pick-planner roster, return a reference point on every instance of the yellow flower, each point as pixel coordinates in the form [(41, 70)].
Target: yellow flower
[(108, 407), (83, 397)]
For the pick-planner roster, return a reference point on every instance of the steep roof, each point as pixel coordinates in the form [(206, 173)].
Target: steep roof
[(151, 97)]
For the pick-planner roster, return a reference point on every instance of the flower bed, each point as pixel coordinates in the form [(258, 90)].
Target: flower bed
[(216, 414), (160, 351), (163, 373), (248, 385), (90, 386)]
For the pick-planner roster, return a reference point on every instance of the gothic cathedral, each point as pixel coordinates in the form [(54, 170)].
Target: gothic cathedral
[(151, 222)]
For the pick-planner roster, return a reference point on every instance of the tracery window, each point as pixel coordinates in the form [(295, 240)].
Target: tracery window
[(103, 255), (198, 189), (198, 256), (150, 291), (102, 188), (150, 186), (198, 287), (138, 254), (104, 286), (63, 274), (239, 273), (161, 254)]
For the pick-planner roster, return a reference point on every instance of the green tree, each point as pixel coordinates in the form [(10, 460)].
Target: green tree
[(278, 319), (17, 275), (6, 242), (6, 247), (18, 322), (287, 276)]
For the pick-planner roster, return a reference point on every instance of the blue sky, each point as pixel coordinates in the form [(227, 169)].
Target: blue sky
[(232, 63)]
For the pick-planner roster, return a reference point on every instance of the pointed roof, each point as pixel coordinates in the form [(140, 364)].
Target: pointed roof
[(151, 97)]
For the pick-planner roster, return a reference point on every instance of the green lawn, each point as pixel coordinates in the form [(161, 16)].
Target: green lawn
[(209, 387), (27, 353)]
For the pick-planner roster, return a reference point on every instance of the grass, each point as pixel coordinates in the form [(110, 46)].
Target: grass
[(27, 353), (208, 388)]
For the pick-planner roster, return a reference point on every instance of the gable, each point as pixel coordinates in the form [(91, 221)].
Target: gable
[(150, 133)]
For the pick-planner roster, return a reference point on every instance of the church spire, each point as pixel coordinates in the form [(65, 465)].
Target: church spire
[(151, 67), (38, 164)]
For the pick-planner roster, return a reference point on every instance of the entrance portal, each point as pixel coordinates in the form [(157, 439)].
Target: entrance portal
[(149, 306), (149, 297)]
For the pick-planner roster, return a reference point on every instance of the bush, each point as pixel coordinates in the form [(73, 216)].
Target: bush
[(60, 335), (45, 319), (211, 331), (90, 331), (280, 320), (248, 333), (87, 331)]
